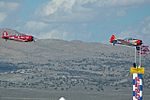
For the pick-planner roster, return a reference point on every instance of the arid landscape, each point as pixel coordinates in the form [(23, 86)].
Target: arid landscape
[(49, 68)]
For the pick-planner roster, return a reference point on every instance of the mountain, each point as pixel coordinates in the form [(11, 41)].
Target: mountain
[(45, 49), (53, 63)]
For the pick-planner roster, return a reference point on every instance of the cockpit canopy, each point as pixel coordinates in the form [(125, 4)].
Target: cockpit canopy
[(130, 39)]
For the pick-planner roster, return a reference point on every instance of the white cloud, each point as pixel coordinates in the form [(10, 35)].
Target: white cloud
[(2, 16), (54, 5), (35, 26), (8, 5), (5, 8), (80, 10), (62, 31), (66, 11), (54, 34), (69, 5)]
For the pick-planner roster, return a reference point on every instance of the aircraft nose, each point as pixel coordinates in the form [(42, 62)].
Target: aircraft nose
[(139, 42), (30, 38)]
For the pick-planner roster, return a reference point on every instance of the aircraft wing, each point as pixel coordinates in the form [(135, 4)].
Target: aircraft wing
[(123, 42)]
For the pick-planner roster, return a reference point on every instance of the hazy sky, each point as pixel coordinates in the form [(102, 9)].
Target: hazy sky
[(86, 20)]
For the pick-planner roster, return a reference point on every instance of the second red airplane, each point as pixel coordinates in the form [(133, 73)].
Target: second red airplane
[(127, 41)]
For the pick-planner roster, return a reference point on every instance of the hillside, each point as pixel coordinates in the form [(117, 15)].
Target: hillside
[(58, 64)]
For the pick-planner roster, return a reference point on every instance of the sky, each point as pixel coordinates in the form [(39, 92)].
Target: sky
[(85, 20)]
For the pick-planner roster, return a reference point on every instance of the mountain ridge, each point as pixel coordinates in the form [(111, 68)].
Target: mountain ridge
[(76, 63)]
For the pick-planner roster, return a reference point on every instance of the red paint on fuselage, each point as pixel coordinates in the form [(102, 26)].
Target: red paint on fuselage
[(17, 37)]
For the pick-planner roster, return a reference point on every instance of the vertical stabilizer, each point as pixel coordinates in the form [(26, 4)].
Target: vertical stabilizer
[(112, 38), (5, 34)]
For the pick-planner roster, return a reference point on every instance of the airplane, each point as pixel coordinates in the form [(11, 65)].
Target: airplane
[(126, 41), (17, 37)]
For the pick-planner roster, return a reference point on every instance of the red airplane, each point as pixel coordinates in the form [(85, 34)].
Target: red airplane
[(127, 41), (17, 37)]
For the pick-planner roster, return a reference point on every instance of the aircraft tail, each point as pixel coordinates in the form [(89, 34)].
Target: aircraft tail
[(5, 35), (113, 39)]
